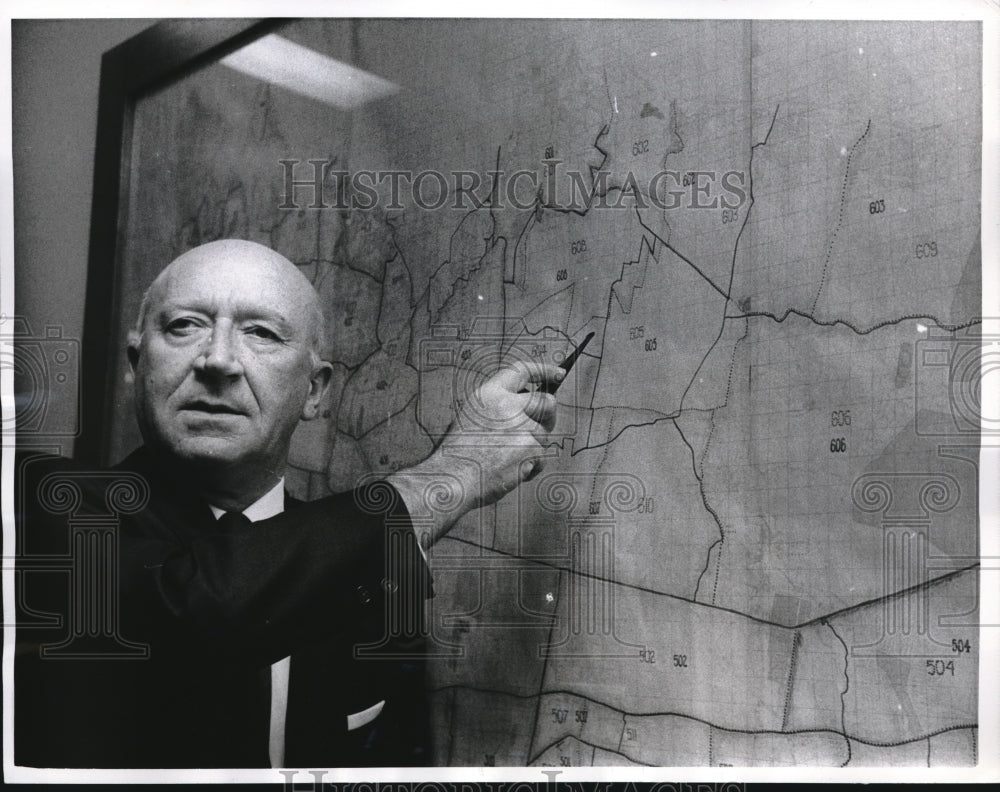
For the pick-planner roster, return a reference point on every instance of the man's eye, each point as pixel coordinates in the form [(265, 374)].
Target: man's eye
[(182, 326), (266, 333)]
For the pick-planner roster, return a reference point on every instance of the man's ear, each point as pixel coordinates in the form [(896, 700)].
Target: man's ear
[(132, 352), (319, 383)]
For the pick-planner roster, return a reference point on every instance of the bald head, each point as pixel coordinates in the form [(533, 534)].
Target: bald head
[(245, 261), (226, 360)]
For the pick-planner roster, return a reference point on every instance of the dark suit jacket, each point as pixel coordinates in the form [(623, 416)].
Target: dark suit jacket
[(214, 610)]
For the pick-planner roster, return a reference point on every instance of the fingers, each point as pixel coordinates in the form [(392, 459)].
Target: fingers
[(511, 399), (527, 469), (546, 374), (532, 468), (540, 407), (517, 375)]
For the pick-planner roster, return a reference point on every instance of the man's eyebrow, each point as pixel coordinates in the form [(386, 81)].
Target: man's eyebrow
[(172, 306), (242, 313), (255, 313)]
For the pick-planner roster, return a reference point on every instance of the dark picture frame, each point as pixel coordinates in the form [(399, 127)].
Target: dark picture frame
[(166, 52)]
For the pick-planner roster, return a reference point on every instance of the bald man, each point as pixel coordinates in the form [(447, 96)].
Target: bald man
[(251, 604)]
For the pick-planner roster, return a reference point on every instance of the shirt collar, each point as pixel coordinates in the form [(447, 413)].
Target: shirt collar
[(267, 505)]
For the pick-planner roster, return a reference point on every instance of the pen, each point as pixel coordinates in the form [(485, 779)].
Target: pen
[(566, 365)]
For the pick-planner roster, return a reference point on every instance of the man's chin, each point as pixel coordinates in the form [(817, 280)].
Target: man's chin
[(208, 450)]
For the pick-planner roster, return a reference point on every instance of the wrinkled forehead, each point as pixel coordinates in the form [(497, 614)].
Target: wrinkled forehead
[(237, 278)]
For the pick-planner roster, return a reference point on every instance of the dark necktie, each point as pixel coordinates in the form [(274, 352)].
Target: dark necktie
[(232, 522)]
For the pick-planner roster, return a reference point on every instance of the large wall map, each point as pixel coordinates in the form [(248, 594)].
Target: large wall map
[(755, 539)]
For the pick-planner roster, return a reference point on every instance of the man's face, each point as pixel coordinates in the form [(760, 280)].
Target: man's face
[(223, 370)]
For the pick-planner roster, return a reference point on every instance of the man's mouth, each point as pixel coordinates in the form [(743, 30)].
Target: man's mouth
[(212, 407)]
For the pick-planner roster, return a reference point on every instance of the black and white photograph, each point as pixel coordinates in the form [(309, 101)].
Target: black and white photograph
[(398, 394)]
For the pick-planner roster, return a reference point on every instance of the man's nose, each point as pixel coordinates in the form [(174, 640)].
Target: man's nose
[(220, 355)]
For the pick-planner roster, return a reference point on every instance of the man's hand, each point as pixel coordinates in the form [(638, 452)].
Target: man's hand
[(494, 443)]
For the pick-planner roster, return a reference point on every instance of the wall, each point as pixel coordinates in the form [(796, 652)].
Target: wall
[(56, 68)]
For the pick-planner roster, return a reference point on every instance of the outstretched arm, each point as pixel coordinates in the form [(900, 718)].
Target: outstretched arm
[(494, 443)]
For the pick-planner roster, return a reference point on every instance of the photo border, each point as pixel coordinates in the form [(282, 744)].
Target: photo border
[(989, 694)]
